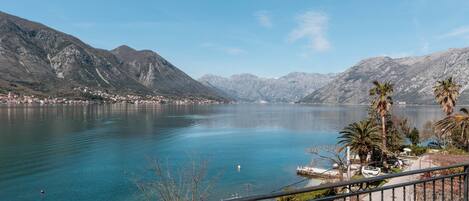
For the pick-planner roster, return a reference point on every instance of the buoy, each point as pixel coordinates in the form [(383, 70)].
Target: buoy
[(239, 167), (42, 191)]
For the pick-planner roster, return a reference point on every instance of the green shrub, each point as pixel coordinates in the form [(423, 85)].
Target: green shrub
[(396, 170), (308, 196), (414, 136), (418, 150)]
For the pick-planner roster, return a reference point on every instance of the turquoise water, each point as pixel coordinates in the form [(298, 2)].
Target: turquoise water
[(97, 152)]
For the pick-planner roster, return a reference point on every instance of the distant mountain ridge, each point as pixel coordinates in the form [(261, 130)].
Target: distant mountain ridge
[(36, 59), (251, 88), (413, 78)]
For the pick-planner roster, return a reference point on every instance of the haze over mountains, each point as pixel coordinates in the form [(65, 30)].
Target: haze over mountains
[(413, 78), (250, 88), (36, 59)]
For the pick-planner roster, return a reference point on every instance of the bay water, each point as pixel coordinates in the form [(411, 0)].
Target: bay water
[(99, 152)]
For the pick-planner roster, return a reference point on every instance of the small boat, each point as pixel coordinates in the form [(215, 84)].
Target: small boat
[(352, 166), (370, 171), (335, 166)]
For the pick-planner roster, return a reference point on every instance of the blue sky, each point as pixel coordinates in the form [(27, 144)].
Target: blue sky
[(264, 37)]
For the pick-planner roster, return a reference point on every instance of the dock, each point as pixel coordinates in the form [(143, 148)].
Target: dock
[(316, 172)]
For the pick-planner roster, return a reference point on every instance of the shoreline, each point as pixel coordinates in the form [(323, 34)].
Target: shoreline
[(420, 162)]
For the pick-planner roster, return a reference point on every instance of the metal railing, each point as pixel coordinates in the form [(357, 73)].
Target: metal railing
[(437, 183)]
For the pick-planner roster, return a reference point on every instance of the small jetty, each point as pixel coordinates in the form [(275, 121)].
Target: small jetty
[(316, 172), (324, 173)]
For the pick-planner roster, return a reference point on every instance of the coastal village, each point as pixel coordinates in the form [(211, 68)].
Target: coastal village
[(90, 96)]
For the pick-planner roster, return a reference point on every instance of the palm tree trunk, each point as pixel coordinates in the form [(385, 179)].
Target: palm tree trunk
[(467, 145), (383, 126), (464, 137), (462, 131), (383, 158), (362, 159)]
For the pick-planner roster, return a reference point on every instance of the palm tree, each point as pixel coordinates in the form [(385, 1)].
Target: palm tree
[(451, 123), (362, 137), (446, 94), (381, 103)]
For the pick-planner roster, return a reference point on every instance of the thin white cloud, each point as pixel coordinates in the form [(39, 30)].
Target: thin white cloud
[(264, 18), (462, 31), (312, 26)]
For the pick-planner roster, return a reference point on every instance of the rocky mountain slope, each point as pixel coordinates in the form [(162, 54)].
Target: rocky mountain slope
[(250, 88), (154, 72), (36, 59), (413, 78)]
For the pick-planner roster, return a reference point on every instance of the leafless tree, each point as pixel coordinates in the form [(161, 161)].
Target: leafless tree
[(331, 154), (187, 183), (429, 132)]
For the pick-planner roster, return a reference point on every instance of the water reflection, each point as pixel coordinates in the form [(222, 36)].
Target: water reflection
[(87, 151)]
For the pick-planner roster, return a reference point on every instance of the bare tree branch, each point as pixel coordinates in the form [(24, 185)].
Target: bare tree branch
[(189, 183)]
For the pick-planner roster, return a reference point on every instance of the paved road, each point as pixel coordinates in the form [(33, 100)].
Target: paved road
[(422, 162)]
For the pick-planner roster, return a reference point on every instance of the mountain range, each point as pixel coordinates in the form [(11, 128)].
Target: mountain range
[(38, 60), (251, 88), (413, 78)]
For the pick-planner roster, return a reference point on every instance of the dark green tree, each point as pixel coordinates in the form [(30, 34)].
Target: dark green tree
[(446, 94), (381, 102), (394, 135), (414, 136), (454, 123), (362, 137)]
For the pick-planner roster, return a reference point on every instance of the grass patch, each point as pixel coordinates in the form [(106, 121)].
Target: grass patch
[(374, 184), (454, 151), (396, 170)]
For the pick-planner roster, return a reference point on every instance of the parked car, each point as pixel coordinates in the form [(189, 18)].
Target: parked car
[(434, 145), (370, 171)]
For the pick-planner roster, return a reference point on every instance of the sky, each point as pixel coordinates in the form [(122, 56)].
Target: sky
[(268, 38)]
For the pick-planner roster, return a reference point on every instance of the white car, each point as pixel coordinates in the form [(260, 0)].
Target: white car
[(370, 171)]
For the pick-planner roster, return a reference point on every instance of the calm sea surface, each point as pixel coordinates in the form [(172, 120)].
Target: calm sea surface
[(97, 152)]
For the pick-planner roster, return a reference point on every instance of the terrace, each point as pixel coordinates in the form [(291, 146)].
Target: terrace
[(437, 183)]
